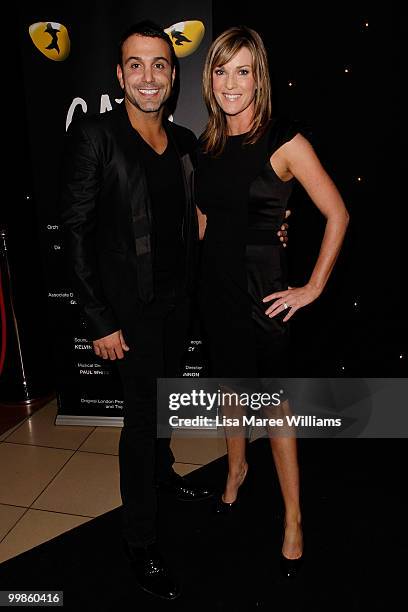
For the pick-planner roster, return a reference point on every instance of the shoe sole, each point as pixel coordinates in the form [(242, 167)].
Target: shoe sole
[(157, 594)]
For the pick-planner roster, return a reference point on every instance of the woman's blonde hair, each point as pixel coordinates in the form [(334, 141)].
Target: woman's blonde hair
[(221, 52)]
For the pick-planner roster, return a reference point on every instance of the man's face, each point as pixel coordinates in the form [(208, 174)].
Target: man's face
[(147, 76)]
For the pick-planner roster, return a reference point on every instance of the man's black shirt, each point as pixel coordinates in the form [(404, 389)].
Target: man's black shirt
[(166, 191)]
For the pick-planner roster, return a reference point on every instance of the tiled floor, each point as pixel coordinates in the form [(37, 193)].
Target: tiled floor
[(55, 477)]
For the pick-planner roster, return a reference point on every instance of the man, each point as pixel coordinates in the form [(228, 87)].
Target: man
[(131, 229)]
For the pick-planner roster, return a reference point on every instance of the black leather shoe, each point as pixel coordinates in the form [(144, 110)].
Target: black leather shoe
[(184, 491), (151, 571), (290, 567)]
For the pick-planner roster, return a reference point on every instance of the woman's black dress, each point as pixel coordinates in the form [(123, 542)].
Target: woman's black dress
[(242, 258)]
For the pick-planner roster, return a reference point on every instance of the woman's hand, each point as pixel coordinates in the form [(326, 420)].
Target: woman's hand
[(283, 231), (291, 300)]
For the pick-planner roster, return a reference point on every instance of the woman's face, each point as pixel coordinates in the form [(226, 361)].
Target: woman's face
[(234, 84)]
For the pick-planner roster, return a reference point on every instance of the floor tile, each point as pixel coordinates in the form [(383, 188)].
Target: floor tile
[(185, 468), (26, 470), (35, 528), (40, 430), (6, 434), (9, 515), (198, 450), (103, 440), (88, 485)]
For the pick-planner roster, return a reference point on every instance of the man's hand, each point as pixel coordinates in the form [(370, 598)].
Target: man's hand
[(283, 234), (111, 347)]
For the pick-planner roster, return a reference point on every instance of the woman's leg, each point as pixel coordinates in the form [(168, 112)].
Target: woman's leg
[(237, 467), (236, 443), (284, 452)]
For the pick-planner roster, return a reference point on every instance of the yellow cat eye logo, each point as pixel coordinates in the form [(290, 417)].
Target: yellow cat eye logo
[(186, 36), (51, 39)]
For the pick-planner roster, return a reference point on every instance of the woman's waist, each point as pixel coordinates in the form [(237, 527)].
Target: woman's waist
[(235, 240), (222, 260), (263, 236)]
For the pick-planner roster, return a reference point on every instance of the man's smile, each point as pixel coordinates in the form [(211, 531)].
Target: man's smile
[(148, 92)]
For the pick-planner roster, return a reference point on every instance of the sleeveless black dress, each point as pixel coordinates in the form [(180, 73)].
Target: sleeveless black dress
[(242, 258)]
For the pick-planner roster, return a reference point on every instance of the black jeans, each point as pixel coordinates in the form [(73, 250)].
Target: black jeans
[(157, 340)]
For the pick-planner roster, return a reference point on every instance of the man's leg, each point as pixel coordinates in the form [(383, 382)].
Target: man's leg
[(137, 461), (157, 343), (175, 336), (176, 329), (138, 371), (137, 451)]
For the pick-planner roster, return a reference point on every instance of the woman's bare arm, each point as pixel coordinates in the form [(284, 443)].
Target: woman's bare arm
[(301, 161)]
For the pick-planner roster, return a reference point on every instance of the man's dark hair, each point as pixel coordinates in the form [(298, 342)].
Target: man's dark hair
[(151, 30)]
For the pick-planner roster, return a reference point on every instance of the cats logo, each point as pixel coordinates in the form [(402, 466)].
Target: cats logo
[(51, 39), (186, 36)]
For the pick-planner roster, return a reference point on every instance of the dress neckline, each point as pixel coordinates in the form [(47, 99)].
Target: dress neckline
[(271, 122), (237, 135)]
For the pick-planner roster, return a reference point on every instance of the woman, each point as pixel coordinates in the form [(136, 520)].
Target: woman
[(247, 164)]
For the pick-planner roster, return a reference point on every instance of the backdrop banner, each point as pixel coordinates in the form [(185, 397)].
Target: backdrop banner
[(69, 68)]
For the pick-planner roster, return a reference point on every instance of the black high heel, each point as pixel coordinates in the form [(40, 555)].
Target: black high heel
[(290, 568), (223, 508)]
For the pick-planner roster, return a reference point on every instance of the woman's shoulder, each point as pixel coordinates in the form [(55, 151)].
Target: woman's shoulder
[(282, 129)]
